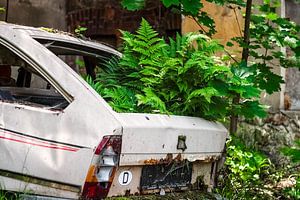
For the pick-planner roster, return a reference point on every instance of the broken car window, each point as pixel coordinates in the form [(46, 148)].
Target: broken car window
[(20, 83), (81, 58)]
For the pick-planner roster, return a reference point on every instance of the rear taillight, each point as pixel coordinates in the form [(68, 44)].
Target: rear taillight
[(103, 168)]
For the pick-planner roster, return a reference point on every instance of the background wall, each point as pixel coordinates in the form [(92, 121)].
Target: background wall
[(47, 13), (293, 74), (228, 24)]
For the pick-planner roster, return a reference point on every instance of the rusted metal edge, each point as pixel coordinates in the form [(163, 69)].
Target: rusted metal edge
[(179, 158), (38, 181)]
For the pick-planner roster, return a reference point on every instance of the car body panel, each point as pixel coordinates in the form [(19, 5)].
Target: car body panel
[(152, 137)]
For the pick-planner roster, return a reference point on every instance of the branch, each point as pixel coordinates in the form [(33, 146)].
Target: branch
[(6, 11), (245, 53), (201, 27), (237, 21)]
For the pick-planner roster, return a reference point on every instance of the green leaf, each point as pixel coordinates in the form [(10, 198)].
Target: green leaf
[(272, 16), (291, 41), (204, 19), (229, 44), (250, 109), (151, 99), (293, 152), (269, 81), (169, 3), (133, 5), (245, 91), (207, 93), (191, 7), (241, 71)]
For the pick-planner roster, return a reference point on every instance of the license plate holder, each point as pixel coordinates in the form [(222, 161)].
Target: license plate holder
[(173, 175)]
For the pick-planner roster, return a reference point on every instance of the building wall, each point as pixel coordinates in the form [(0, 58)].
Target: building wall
[(293, 74), (229, 24), (46, 13), (104, 18)]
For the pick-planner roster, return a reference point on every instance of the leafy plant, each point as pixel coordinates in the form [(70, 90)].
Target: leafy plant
[(294, 192), (294, 154), (182, 76), (268, 33), (264, 34), (79, 31), (4, 195), (245, 172)]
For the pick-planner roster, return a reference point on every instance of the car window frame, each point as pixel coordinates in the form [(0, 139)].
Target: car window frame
[(39, 69)]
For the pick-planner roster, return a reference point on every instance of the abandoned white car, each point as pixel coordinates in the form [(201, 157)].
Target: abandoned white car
[(59, 138)]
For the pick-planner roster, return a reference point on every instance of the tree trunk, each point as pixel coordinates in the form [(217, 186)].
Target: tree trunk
[(245, 55)]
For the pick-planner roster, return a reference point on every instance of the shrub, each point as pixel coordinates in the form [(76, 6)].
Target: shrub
[(245, 173), (182, 76)]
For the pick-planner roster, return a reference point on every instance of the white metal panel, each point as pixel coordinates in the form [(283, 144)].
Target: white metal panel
[(148, 136)]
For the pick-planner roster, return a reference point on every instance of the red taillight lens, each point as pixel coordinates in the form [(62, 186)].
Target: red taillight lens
[(102, 170)]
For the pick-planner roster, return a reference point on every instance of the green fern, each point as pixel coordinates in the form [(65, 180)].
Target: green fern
[(182, 76), (121, 99)]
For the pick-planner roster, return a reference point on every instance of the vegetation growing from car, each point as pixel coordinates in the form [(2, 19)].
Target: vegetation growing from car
[(182, 76), (264, 33), (262, 39)]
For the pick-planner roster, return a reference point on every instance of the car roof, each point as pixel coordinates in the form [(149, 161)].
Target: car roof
[(56, 35)]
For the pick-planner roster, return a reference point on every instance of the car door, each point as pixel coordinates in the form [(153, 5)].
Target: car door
[(34, 126)]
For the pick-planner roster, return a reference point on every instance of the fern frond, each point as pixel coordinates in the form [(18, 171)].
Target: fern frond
[(145, 32), (151, 99)]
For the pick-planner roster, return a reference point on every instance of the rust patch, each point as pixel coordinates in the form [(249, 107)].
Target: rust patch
[(127, 192), (170, 159), (211, 158), (167, 160)]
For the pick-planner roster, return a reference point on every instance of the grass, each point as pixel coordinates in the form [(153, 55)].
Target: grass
[(4, 195)]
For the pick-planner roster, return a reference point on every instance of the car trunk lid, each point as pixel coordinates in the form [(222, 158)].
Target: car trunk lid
[(155, 138)]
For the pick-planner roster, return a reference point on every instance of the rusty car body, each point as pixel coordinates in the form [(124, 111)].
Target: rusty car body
[(59, 138)]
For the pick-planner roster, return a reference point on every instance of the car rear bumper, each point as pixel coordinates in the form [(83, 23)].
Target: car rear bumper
[(202, 175)]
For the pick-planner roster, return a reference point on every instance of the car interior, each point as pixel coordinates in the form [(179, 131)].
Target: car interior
[(22, 84)]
